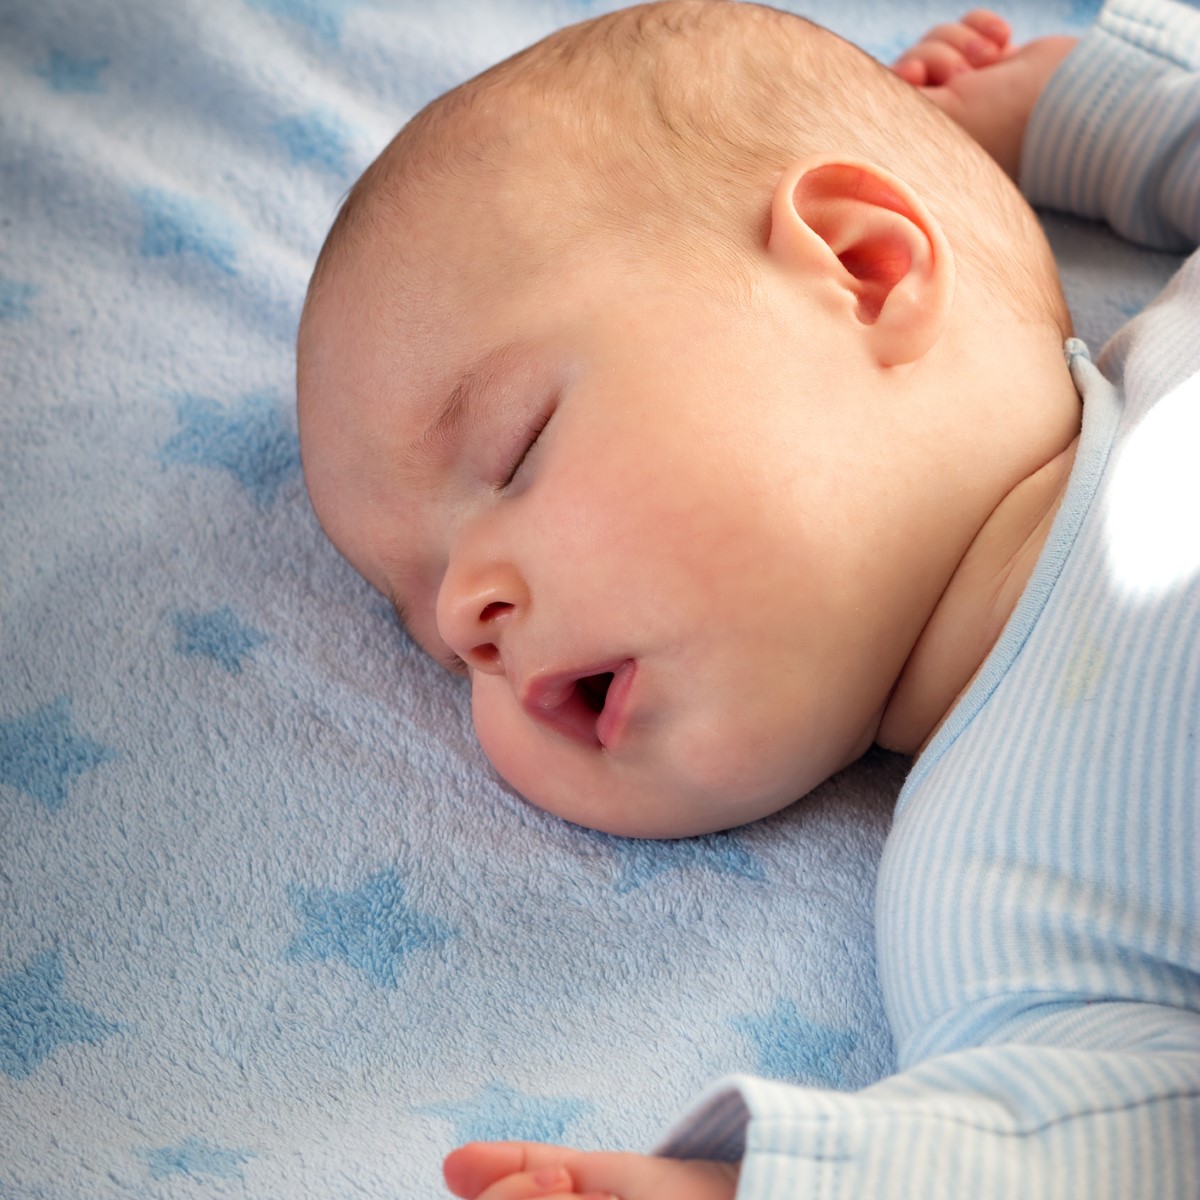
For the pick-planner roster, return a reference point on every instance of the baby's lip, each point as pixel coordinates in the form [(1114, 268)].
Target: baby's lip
[(588, 705)]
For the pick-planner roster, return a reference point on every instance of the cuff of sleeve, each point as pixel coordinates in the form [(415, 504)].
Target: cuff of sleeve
[(1103, 128), (713, 1126)]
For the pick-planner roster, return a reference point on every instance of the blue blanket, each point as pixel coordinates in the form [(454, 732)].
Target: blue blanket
[(269, 924)]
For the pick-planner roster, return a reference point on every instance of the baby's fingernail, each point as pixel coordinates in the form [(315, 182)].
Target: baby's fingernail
[(552, 1178)]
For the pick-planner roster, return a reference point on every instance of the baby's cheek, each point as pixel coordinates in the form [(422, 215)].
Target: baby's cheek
[(507, 736), (551, 772)]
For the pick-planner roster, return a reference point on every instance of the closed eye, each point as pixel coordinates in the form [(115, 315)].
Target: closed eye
[(526, 445)]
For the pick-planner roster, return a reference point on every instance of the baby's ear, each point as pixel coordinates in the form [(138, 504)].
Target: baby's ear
[(868, 234)]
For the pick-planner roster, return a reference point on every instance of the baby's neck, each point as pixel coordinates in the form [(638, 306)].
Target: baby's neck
[(974, 607)]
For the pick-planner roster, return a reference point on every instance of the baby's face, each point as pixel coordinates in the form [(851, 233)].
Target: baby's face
[(650, 519)]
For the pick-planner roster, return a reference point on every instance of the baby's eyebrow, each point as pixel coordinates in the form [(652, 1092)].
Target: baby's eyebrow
[(479, 379)]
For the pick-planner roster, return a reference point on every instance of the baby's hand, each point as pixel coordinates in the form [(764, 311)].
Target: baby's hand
[(980, 39), (973, 73), (524, 1170)]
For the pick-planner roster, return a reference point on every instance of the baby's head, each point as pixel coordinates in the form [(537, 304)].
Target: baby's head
[(651, 376)]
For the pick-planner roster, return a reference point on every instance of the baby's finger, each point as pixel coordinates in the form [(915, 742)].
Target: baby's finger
[(527, 1187), (544, 1184), (911, 70), (581, 1196), (472, 1169), (978, 40), (938, 62), (977, 48), (991, 26)]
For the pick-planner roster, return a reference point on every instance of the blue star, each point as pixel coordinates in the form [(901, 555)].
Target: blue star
[(40, 753), (255, 444), (14, 299), (192, 1157), (791, 1047), (67, 74), (218, 635), (372, 929), (641, 860), (36, 1018), (318, 138), (173, 224), (323, 17), (1130, 306), (500, 1113)]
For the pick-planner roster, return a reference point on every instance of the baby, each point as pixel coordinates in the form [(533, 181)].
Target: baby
[(698, 389)]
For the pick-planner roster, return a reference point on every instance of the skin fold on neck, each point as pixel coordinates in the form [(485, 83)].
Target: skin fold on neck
[(974, 607)]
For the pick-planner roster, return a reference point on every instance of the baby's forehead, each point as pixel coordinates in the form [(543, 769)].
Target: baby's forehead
[(521, 152), (390, 334)]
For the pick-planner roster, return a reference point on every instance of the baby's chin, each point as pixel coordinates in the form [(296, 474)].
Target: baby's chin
[(653, 829), (656, 812), (675, 782)]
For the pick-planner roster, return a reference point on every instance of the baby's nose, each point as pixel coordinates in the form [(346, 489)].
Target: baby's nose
[(485, 655), (475, 615)]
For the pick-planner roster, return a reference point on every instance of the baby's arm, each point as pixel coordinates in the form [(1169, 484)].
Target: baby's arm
[(525, 1170)]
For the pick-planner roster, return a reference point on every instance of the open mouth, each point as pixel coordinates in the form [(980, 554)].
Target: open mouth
[(593, 690), (588, 707)]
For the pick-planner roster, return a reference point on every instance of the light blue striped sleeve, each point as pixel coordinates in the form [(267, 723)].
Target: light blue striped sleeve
[(1116, 133), (990, 1123)]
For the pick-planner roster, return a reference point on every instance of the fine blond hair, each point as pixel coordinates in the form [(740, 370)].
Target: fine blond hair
[(668, 125)]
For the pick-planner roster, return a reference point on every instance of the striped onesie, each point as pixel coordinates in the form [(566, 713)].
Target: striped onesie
[(1037, 908)]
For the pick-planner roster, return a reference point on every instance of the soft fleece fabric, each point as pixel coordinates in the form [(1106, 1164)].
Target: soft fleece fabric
[(269, 926)]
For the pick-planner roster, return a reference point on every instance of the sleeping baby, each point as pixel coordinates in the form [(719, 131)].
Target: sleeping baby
[(705, 394)]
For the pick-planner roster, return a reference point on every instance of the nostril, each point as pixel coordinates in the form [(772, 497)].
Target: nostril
[(497, 608)]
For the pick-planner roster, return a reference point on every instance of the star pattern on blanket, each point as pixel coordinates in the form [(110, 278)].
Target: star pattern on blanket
[(499, 1112), (1130, 306), (174, 225), (41, 752), (66, 73), (253, 441), (14, 299), (372, 928), (790, 1046), (194, 1157), (317, 138), (639, 860), (217, 635), (36, 1018), (323, 17)]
